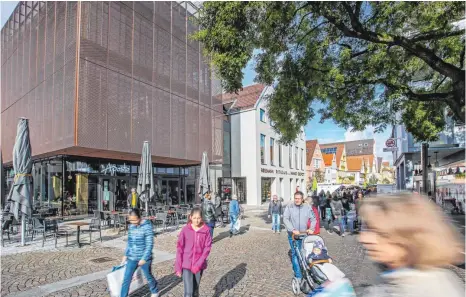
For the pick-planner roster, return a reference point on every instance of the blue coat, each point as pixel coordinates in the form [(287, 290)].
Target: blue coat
[(140, 242), (234, 207)]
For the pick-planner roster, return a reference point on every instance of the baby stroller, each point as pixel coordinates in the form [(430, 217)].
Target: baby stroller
[(315, 272)]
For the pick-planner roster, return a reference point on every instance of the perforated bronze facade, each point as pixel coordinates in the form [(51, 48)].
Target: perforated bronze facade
[(102, 77)]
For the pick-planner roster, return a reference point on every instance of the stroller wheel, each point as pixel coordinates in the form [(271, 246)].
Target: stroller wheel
[(296, 286)]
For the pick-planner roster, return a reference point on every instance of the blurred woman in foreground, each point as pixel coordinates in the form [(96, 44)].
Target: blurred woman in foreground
[(409, 236)]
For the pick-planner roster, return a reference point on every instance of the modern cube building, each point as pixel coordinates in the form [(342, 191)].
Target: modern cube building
[(97, 79)]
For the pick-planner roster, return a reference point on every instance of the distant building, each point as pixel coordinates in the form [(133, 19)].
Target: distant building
[(260, 165), (314, 159)]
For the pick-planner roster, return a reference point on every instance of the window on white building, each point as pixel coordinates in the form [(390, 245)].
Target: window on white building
[(302, 159), (280, 152), (262, 149), (272, 151), (262, 115), (290, 150), (296, 157)]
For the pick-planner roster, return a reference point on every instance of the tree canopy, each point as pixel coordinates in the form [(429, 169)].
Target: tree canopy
[(365, 61)]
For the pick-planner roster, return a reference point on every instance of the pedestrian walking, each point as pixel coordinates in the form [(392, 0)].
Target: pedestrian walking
[(351, 218), (338, 213), (411, 238), (208, 213), (218, 209), (296, 218), (328, 216), (316, 210), (234, 212), (322, 203), (138, 252), (275, 211), (192, 250)]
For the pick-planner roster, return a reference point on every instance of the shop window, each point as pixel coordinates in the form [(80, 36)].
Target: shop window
[(280, 153), (290, 150)]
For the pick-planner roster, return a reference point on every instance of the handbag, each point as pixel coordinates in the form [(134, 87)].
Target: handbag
[(115, 280), (237, 225)]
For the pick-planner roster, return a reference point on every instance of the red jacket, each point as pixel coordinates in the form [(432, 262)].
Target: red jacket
[(192, 249), (316, 214)]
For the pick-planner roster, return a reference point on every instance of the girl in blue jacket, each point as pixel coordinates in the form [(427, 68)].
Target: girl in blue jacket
[(138, 252)]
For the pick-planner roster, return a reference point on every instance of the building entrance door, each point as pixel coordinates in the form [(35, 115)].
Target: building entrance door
[(113, 193), (171, 191)]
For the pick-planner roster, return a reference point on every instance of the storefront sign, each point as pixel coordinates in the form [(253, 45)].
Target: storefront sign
[(112, 169), (282, 172)]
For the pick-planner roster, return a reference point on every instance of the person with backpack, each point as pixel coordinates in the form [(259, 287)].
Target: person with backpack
[(338, 213), (275, 211), (192, 250)]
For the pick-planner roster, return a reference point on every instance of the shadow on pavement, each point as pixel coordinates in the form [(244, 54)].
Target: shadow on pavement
[(226, 234), (230, 280), (165, 284)]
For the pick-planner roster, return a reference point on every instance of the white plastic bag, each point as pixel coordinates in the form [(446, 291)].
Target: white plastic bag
[(237, 225), (115, 280)]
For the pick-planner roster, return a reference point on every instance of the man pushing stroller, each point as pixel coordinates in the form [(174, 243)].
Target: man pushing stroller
[(296, 218)]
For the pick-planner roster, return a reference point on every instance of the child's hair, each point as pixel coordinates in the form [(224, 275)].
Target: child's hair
[(195, 210), (135, 212)]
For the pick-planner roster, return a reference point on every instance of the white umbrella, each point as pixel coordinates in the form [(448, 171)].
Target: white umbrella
[(19, 200), (204, 178), (146, 176)]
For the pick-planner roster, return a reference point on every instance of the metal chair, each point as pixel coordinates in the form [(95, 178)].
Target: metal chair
[(94, 226), (161, 219), (122, 223), (6, 224)]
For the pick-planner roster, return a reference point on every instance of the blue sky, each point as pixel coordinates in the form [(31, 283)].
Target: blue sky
[(325, 132)]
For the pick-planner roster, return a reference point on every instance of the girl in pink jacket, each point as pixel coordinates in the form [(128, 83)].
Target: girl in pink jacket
[(193, 248)]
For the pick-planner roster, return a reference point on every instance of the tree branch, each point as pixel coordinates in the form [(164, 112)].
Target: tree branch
[(359, 53), (299, 8), (309, 32), (440, 83), (436, 34), (299, 26)]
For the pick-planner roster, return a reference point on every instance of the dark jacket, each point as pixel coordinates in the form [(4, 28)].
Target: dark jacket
[(208, 211), (275, 208)]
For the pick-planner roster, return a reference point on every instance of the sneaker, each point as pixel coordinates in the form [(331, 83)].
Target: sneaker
[(343, 235), (154, 295)]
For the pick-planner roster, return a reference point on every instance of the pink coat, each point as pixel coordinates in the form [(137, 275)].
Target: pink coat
[(192, 249)]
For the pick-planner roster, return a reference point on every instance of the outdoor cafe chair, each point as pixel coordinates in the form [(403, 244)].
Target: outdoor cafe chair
[(161, 220), (94, 226), (6, 224), (48, 228), (122, 223)]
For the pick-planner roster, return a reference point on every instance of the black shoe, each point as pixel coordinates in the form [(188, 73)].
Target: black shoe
[(231, 234)]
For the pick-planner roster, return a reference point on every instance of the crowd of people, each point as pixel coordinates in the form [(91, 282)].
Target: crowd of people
[(406, 235)]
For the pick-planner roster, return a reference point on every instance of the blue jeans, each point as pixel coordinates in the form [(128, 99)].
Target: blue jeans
[(130, 268), (211, 226), (341, 222), (276, 222), (294, 256), (350, 224), (233, 219)]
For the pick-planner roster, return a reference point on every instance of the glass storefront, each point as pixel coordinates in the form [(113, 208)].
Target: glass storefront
[(77, 186)]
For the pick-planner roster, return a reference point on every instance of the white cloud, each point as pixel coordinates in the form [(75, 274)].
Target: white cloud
[(379, 138)]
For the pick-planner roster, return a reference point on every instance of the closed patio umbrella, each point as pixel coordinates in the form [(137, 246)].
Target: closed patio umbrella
[(19, 199), (146, 176), (204, 178)]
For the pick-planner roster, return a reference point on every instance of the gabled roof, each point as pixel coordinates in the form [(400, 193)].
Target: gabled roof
[(246, 97), (340, 149), (354, 163), (310, 148), (328, 159)]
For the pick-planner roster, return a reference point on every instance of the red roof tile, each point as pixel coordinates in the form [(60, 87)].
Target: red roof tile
[(310, 148), (328, 159), (246, 97)]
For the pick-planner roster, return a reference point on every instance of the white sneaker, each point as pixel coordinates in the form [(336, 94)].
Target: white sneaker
[(343, 235), (154, 295)]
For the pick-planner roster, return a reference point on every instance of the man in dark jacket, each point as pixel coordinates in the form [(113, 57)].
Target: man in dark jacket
[(208, 213), (275, 211), (218, 209)]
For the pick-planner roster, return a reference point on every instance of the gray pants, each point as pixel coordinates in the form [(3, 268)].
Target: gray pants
[(191, 283)]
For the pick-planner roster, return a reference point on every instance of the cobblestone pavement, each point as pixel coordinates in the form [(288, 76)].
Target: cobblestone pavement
[(254, 263)]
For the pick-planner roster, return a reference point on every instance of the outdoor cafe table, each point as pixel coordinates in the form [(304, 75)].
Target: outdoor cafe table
[(78, 225)]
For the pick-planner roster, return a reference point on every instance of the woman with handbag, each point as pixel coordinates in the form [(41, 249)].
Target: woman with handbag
[(138, 252)]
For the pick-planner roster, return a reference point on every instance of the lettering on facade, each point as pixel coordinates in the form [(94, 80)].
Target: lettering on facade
[(112, 169), (278, 171), (265, 170)]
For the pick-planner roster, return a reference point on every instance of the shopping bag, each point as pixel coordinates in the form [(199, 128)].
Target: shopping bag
[(237, 225), (341, 287), (115, 280)]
